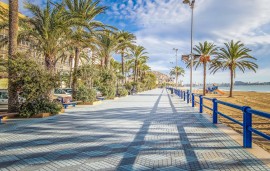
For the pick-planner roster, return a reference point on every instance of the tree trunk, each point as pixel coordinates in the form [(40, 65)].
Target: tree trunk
[(107, 62), (231, 87), (12, 51), (204, 78), (50, 63), (135, 71), (71, 68), (102, 62), (75, 79), (123, 66)]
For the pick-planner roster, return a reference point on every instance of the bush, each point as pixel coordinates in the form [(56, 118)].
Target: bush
[(122, 92), (108, 91), (35, 85), (107, 83), (128, 86), (86, 94), (29, 109)]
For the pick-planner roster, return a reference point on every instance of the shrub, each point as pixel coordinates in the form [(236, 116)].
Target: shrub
[(35, 85), (108, 91), (29, 109), (122, 92), (107, 83), (86, 94), (128, 86)]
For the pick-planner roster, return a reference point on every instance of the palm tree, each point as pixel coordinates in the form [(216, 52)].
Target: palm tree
[(177, 71), (143, 69), (49, 29), (82, 10), (12, 51), (125, 41), (205, 50), (233, 56), (139, 56), (107, 42)]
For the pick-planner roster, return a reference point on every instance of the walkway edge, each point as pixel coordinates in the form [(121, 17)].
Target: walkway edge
[(256, 150)]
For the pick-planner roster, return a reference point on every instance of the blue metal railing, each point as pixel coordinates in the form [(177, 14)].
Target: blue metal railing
[(247, 114)]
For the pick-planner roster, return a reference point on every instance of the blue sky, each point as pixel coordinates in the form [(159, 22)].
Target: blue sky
[(161, 25)]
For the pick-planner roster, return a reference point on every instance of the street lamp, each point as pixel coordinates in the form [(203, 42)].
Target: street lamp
[(176, 63), (191, 4)]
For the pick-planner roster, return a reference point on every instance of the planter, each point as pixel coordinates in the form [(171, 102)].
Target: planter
[(42, 115), (62, 111), (90, 103)]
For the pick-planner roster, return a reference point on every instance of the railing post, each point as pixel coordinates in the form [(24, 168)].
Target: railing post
[(201, 104), (181, 94), (247, 139), (193, 100), (188, 96), (215, 111), (184, 96)]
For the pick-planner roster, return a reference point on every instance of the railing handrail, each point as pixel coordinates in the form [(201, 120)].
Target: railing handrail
[(247, 114)]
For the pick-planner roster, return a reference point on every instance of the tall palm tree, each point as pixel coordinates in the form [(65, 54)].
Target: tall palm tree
[(177, 71), (12, 51), (139, 55), (107, 47), (143, 69), (125, 41), (205, 50), (233, 56), (49, 28), (83, 10)]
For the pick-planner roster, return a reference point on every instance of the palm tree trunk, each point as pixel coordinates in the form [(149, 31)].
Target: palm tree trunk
[(123, 67), (12, 51), (123, 63), (71, 68), (231, 87), (204, 78), (102, 62), (107, 62), (49, 63), (75, 79), (135, 71)]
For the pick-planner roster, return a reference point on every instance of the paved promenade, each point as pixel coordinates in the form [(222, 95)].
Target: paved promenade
[(148, 131)]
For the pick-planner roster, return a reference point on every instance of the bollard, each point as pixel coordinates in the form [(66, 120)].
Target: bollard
[(247, 139), (184, 96), (187, 96), (201, 104), (215, 111), (193, 100)]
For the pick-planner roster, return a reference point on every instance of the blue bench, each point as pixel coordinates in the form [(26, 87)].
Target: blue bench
[(69, 104), (101, 98)]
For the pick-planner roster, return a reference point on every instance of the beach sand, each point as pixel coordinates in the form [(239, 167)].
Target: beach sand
[(256, 100)]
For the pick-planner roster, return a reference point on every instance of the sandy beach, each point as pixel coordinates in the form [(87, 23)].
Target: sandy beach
[(256, 100)]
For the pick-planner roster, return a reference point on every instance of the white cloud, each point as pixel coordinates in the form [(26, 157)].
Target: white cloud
[(166, 24)]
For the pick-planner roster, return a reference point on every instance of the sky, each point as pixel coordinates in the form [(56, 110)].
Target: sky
[(161, 25)]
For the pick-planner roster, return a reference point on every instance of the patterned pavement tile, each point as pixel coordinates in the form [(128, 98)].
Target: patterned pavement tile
[(148, 131)]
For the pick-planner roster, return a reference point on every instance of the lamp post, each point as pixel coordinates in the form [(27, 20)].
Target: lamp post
[(191, 4), (176, 63)]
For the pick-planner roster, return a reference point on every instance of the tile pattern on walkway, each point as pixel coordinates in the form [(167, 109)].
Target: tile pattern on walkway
[(148, 131)]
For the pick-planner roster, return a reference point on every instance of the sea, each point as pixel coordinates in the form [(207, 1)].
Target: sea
[(254, 88)]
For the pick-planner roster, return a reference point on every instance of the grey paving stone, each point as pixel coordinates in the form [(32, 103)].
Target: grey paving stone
[(148, 131)]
